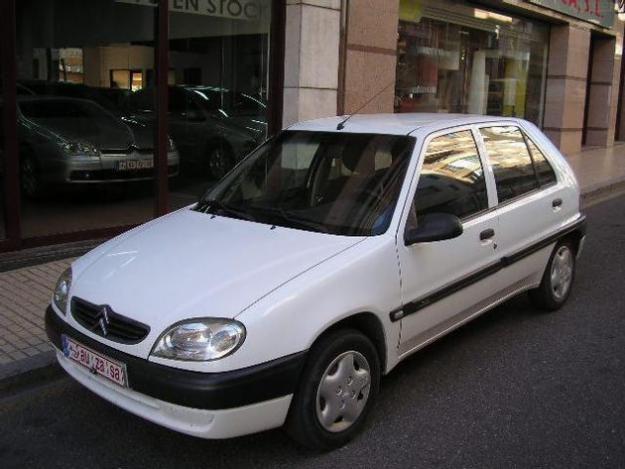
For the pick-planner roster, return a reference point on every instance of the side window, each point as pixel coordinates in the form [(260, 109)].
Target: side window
[(510, 160), (544, 170), (452, 177)]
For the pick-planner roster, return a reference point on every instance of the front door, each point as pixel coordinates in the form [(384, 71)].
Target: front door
[(445, 282)]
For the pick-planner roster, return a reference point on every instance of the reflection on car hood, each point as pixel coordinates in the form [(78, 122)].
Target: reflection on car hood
[(105, 134), (190, 264)]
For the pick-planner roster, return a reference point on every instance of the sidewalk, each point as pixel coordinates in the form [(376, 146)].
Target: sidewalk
[(25, 293)]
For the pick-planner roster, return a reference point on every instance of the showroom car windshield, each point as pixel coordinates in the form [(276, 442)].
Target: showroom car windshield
[(331, 182)]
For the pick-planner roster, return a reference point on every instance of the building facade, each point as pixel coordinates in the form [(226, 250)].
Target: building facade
[(118, 111)]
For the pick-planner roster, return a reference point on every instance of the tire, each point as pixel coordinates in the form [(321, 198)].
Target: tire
[(219, 160), (315, 421), (30, 178), (557, 281)]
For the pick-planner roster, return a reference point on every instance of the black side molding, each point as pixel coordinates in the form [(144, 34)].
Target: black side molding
[(213, 391), (417, 305)]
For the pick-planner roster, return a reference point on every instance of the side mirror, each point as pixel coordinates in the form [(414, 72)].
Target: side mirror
[(434, 227)]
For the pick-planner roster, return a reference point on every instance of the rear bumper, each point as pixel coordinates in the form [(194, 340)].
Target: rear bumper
[(214, 391)]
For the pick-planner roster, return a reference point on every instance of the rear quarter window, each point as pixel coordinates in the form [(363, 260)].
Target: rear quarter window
[(544, 170), (510, 160)]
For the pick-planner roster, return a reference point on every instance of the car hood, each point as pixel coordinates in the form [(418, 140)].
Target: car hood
[(105, 133), (190, 264)]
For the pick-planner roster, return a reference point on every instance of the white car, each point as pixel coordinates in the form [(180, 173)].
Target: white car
[(328, 255)]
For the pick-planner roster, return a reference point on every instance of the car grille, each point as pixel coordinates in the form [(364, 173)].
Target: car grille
[(114, 326)]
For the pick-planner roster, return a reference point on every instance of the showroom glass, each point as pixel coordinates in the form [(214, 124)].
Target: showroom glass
[(3, 230), (481, 62), (219, 82), (544, 171), (452, 178), (339, 183), (84, 162), (510, 160)]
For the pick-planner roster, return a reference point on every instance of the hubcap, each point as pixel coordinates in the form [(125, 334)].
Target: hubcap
[(561, 272), (343, 391)]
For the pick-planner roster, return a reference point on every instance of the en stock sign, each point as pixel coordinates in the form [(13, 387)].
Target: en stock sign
[(600, 12), (250, 10)]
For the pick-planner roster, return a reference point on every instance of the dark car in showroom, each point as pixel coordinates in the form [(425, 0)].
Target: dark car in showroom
[(212, 128)]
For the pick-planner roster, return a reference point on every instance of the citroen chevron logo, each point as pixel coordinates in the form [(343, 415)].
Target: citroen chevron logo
[(104, 319)]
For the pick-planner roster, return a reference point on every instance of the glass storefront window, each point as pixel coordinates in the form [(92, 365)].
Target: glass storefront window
[(456, 58), (219, 80), (84, 163), (2, 159)]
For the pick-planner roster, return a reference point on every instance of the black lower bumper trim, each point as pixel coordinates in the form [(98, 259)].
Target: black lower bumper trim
[(213, 391)]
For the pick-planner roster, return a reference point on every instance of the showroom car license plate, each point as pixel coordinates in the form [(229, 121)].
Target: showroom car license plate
[(133, 165), (97, 363)]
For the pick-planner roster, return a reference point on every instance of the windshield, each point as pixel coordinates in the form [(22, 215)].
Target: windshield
[(339, 183)]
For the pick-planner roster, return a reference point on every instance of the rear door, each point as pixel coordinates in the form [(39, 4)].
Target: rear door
[(445, 282), (529, 202)]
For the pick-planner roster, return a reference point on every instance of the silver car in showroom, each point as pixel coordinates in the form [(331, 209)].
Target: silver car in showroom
[(68, 141)]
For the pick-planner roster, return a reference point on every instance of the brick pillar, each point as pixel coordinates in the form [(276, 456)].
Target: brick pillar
[(311, 59), (603, 89), (566, 86), (370, 55)]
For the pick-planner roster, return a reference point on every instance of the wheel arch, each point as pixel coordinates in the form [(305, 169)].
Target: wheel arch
[(368, 324)]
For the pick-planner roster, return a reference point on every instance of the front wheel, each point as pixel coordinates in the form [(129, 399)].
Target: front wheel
[(220, 160), (555, 287), (336, 392), (30, 178)]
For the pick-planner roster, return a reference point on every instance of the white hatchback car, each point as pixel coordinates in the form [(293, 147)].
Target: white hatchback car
[(323, 259)]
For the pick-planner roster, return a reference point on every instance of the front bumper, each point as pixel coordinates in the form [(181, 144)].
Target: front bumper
[(104, 168), (209, 405)]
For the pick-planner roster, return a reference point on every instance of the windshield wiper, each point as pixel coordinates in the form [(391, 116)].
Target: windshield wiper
[(295, 220), (219, 208)]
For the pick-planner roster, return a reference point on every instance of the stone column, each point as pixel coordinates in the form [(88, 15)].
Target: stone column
[(370, 55), (603, 89), (565, 96), (311, 59)]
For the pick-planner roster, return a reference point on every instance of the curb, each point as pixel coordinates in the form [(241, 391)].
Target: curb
[(29, 372), (603, 191)]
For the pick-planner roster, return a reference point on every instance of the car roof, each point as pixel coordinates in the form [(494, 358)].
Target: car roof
[(395, 124)]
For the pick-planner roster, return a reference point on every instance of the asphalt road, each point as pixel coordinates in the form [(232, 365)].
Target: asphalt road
[(515, 388)]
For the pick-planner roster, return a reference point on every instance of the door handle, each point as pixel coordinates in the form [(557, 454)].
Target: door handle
[(487, 234), (556, 203)]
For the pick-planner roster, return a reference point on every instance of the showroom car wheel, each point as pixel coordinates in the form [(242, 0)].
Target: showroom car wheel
[(29, 178), (557, 280), (336, 390), (219, 161)]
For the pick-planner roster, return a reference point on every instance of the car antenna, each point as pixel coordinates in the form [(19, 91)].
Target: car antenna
[(341, 124)]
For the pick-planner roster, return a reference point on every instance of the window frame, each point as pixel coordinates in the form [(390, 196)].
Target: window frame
[(413, 178), (540, 187)]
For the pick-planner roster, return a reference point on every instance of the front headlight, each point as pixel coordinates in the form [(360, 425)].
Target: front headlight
[(61, 291), (79, 149), (200, 340)]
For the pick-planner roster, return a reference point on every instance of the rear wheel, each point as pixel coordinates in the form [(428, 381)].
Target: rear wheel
[(337, 389), (557, 280)]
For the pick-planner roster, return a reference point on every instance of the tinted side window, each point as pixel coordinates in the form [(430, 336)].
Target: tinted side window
[(511, 161), (452, 177), (544, 170)]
